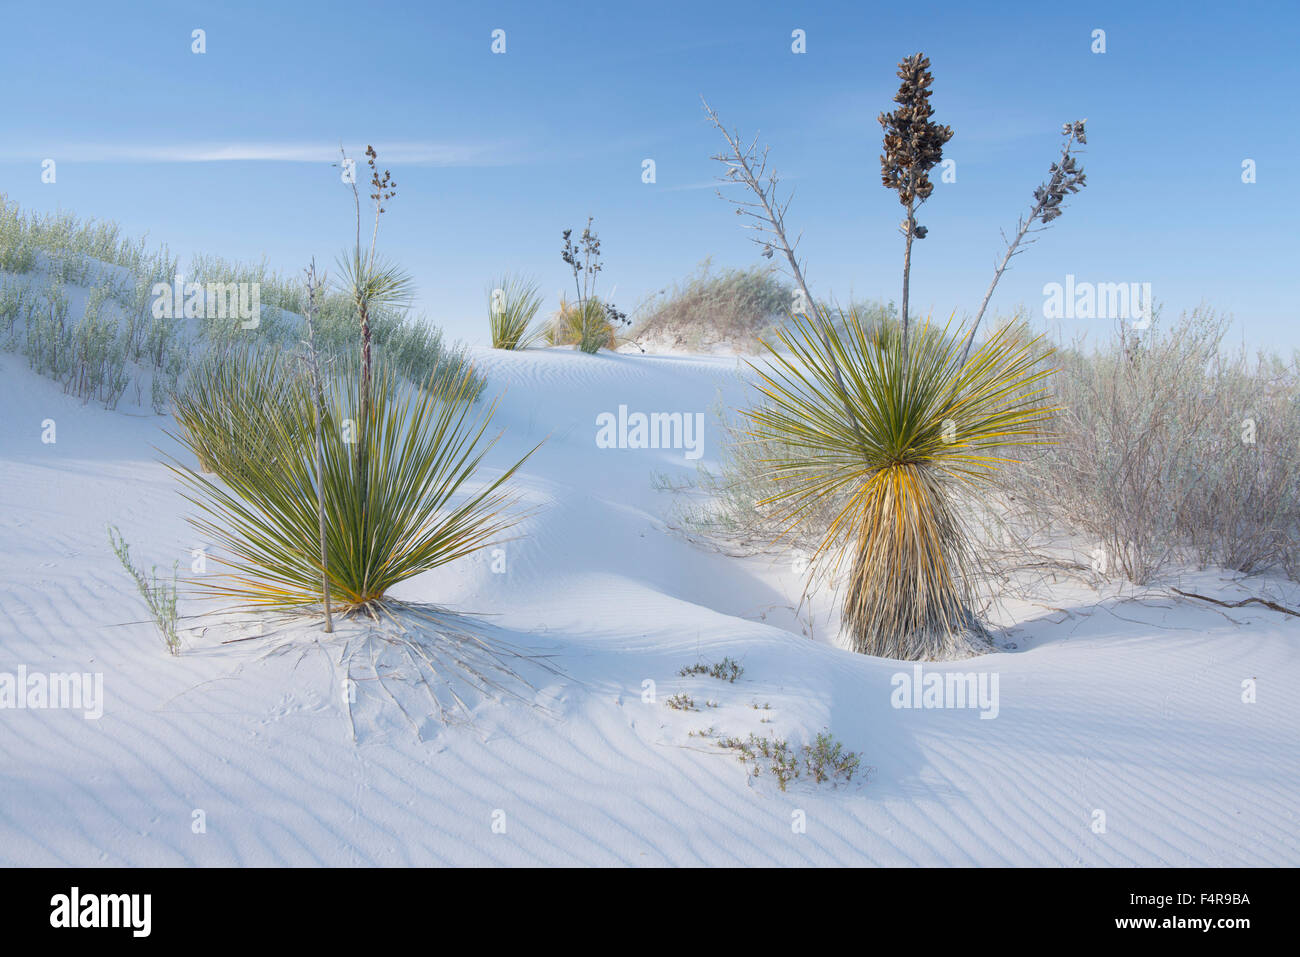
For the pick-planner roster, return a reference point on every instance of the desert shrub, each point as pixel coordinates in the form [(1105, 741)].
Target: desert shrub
[(17, 251), (587, 326), (825, 759), (398, 480), (1170, 448), (512, 305), (728, 669), (159, 596), (735, 307), (97, 360), (16, 305), (48, 340)]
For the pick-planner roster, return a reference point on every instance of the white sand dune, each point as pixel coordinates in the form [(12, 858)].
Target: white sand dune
[(1131, 708)]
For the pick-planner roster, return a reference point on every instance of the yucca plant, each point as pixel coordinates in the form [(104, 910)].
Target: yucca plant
[(926, 429), (512, 305), (403, 511), (584, 325)]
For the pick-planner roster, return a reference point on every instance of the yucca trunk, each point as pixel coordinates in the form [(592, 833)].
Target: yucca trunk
[(906, 595)]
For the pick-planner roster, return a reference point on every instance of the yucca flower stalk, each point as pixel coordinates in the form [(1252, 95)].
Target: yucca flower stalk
[(913, 145), (422, 454), (373, 284), (314, 283), (1065, 176), (933, 430)]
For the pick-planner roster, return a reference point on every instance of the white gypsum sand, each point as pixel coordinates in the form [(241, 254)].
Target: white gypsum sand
[(1128, 708)]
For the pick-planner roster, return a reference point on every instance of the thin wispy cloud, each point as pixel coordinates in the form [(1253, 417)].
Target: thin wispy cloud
[(407, 154)]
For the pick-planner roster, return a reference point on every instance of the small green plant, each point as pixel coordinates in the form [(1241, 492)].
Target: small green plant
[(512, 305), (771, 754), (681, 702), (823, 760), (159, 596), (728, 669)]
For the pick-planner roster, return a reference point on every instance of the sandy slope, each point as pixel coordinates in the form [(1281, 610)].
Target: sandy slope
[(1131, 708)]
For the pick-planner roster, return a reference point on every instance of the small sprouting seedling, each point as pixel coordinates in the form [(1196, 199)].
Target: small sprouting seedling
[(681, 702), (709, 732), (159, 596), (765, 706), (711, 704), (725, 670)]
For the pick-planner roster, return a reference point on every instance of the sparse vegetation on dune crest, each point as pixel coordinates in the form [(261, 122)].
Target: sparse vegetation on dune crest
[(589, 323), (49, 263), (733, 308)]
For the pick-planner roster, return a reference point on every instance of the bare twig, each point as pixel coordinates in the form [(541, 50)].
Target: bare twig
[(314, 285), (745, 164), (1274, 606)]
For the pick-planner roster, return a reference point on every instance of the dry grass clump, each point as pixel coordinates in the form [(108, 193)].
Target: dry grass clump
[(734, 308)]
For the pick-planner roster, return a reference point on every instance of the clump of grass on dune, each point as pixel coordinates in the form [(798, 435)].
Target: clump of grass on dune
[(586, 326), (734, 307), (922, 429), (512, 305)]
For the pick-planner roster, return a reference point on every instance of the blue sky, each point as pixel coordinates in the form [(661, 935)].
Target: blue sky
[(495, 154)]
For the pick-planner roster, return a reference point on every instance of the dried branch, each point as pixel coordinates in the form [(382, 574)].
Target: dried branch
[(1238, 604), (1067, 176), (747, 165)]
